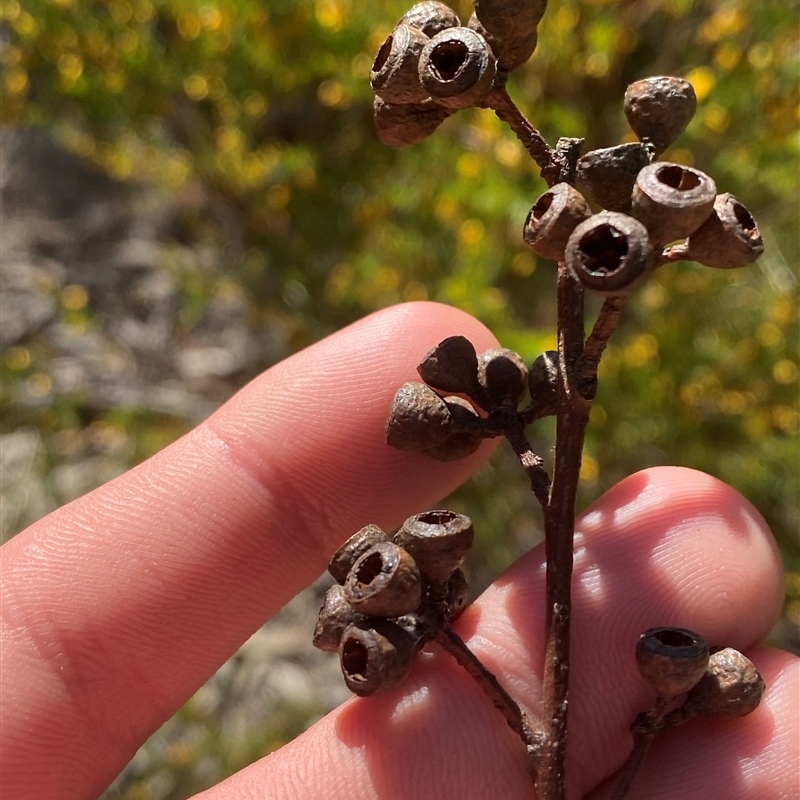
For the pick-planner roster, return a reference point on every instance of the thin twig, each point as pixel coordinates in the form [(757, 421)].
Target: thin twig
[(531, 462), (571, 419), (516, 718), (548, 159), (646, 727), (605, 324)]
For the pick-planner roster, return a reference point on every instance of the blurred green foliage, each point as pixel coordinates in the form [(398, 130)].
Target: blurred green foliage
[(263, 110)]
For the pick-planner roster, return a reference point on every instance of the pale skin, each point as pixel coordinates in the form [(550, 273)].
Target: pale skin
[(117, 607)]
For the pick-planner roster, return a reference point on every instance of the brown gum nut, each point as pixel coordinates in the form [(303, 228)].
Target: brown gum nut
[(334, 616), (609, 253), (451, 366), (543, 378), (343, 559), (404, 124), (394, 75), (457, 598), (672, 201), (438, 540), (376, 655), (512, 45), (729, 238), (730, 687), (553, 218), (418, 418), (457, 68), (430, 17), (659, 109), (503, 374), (671, 660), (384, 582), (608, 175), (466, 432)]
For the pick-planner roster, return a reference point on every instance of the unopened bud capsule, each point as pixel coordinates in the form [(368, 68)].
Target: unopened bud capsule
[(730, 687)]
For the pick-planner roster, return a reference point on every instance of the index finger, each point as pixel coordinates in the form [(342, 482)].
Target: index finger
[(118, 606)]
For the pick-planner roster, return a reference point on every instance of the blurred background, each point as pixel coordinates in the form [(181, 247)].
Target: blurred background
[(191, 191)]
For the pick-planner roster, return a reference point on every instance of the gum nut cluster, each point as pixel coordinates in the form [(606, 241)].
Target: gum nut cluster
[(676, 661), (647, 204), (431, 65), (430, 416), (392, 594)]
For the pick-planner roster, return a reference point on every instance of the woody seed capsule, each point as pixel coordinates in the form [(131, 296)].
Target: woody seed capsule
[(384, 582), (553, 218), (729, 238), (457, 68), (334, 616), (503, 374), (404, 124), (343, 559), (376, 655), (451, 366), (394, 75), (438, 540), (418, 418), (672, 201), (671, 660), (609, 253), (466, 432), (543, 379), (430, 17), (730, 687), (608, 175), (457, 598), (659, 109), (510, 28)]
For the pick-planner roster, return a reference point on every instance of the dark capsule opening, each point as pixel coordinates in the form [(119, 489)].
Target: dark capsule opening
[(603, 248), (674, 638), (383, 55), (542, 206), (354, 659), (745, 218), (369, 569), (678, 178), (448, 58), (437, 517)]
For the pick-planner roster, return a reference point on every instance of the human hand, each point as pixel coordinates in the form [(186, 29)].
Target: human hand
[(117, 607)]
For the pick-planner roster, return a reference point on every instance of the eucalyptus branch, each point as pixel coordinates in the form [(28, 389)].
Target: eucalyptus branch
[(395, 593)]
